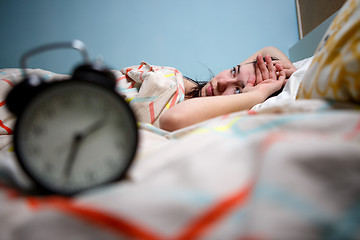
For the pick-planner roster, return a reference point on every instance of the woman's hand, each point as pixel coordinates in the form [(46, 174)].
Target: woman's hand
[(269, 77), (274, 52), (264, 70), (260, 67)]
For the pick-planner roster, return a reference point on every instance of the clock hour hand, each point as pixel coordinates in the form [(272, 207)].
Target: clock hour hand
[(72, 155)]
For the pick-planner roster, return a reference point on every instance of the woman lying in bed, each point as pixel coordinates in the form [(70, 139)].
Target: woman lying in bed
[(256, 80)]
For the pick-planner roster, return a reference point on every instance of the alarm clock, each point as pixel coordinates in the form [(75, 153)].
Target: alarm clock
[(75, 134)]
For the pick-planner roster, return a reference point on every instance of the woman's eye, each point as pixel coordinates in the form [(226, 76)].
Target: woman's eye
[(233, 72), (237, 90)]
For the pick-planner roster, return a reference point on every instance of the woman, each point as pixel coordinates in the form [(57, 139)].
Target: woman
[(256, 78)]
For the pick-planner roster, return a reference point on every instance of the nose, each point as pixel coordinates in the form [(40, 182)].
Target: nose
[(223, 85)]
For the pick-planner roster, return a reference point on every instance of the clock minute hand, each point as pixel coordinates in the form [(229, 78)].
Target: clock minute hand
[(92, 128)]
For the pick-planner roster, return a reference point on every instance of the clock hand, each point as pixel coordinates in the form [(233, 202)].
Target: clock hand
[(73, 152), (92, 128), (77, 140)]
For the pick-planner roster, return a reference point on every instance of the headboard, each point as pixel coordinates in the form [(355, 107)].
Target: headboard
[(314, 18), (306, 47), (310, 14)]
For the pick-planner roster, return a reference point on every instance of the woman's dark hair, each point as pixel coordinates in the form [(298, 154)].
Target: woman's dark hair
[(272, 59), (195, 92)]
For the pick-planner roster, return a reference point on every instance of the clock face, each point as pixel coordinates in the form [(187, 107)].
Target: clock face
[(75, 135)]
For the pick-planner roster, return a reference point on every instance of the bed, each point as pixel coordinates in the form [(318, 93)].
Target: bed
[(287, 169)]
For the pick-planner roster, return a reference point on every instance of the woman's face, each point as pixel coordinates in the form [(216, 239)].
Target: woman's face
[(230, 81)]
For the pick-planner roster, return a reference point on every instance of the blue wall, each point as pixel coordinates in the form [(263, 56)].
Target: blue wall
[(186, 34)]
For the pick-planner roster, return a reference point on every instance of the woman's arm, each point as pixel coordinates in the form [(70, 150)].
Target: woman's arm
[(196, 110), (272, 51)]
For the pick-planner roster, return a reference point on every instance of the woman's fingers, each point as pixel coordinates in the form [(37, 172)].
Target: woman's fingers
[(268, 70), (259, 77), (288, 67), (282, 77), (271, 67), (251, 81), (250, 84), (265, 69), (262, 67), (279, 67), (289, 72)]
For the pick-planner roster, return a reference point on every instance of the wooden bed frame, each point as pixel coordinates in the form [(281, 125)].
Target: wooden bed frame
[(314, 18)]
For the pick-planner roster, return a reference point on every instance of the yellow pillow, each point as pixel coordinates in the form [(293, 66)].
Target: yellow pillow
[(335, 70)]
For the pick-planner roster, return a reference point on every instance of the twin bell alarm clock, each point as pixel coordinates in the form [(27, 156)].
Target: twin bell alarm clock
[(75, 134)]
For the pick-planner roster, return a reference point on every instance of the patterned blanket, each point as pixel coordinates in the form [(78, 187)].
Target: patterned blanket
[(287, 169), (280, 171)]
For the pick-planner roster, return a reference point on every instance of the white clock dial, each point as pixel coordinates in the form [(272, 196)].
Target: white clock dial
[(75, 136)]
